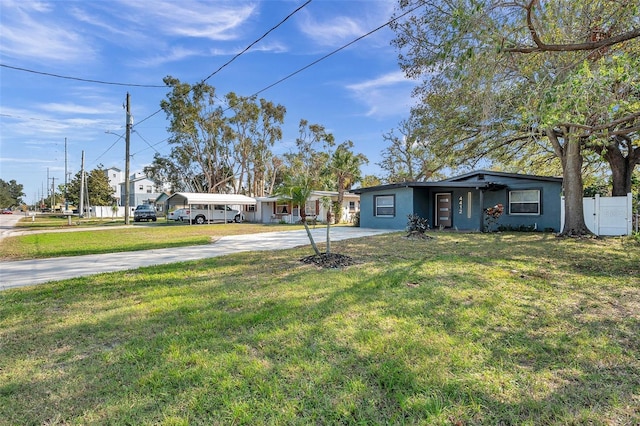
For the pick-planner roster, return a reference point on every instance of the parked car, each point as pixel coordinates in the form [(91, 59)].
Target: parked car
[(7, 211), (205, 214), (144, 212), (177, 214)]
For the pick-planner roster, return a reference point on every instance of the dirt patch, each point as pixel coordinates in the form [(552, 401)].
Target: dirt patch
[(414, 235), (330, 260)]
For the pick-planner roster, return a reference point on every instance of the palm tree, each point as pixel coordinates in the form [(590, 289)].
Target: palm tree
[(297, 190), (345, 167)]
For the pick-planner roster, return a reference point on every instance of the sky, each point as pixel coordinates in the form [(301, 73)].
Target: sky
[(47, 122)]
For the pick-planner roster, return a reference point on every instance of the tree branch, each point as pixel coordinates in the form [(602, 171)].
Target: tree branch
[(595, 130), (540, 46), (572, 47)]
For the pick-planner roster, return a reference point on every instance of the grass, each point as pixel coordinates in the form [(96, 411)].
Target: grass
[(504, 329), (96, 239)]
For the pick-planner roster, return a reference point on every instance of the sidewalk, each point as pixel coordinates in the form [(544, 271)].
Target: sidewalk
[(38, 271)]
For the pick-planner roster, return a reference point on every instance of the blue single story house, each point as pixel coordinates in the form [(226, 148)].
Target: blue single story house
[(460, 202)]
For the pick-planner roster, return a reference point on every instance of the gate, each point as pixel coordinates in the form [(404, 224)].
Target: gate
[(606, 215)]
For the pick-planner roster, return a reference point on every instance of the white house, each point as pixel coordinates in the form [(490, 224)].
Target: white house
[(115, 177), (142, 190), (274, 209)]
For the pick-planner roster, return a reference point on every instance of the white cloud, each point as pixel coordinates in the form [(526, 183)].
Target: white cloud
[(331, 33), (69, 108), (339, 28), (174, 54), (30, 30), (387, 95), (83, 16), (385, 80), (212, 20)]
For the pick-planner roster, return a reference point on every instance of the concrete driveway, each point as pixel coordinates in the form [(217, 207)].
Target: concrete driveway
[(31, 272)]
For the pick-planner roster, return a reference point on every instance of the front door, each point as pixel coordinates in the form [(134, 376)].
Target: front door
[(443, 210)]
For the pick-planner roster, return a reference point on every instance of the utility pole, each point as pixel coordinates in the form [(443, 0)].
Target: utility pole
[(126, 161), (81, 206), (66, 201), (53, 194)]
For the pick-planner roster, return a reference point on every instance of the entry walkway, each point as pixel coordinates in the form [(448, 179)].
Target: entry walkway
[(38, 271)]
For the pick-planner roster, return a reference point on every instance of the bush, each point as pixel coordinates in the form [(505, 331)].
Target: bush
[(356, 219), (417, 224)]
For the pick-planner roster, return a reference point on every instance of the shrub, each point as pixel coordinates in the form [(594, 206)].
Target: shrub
[(356, 219), (417, 224), (493, 214)]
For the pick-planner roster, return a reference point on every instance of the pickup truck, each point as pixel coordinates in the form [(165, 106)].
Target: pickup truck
[(214, 213)]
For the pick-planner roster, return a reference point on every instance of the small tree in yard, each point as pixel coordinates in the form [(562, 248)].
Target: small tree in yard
[(492, 214), (417, 226), (297, 191)]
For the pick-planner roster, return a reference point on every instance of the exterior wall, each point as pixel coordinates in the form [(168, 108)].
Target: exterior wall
[(465, 206), (403, 207), (265, 210), (549, 217), (115, 177), (139, 196), (467, 213)]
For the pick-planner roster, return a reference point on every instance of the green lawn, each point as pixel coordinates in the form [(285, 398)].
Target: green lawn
[(99, 239), (487, 329)]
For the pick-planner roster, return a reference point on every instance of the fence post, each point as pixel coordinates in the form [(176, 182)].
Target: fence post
[(596, 214)]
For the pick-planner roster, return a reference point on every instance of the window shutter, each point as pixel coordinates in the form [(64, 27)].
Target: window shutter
[(317, 207)]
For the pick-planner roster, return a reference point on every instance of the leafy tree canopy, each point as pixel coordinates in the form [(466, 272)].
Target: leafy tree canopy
[(11, 193), (97, 186), (505, 81)]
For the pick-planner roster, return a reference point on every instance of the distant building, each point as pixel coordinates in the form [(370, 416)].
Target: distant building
[(116, 177), (142, 190)]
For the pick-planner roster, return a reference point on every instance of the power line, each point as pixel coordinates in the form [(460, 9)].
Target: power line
[(258, 40), (335, 51), (147, 142), (306, 66), (86, 80), (240, 53), (108, 149)]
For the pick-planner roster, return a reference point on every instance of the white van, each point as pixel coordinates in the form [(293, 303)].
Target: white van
[(213, 213)]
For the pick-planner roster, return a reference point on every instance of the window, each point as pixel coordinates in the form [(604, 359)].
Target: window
[(141, 187), (310, 208), (385, 205), (282, 209), (149, 189), (524, 202), (352, 206)]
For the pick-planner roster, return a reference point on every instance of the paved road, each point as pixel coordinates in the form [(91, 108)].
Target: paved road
[(31, 272), (8, 222)]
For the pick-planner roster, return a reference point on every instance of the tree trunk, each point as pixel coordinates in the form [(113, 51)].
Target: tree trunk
[(338, 203), (328, 237), (621, 169), (313, 243), (571, 156)]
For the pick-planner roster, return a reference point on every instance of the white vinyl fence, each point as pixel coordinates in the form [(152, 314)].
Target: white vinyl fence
[(606, 215), (105, 212)]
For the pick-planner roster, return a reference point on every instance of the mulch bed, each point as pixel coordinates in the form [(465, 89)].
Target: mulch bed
[(418, 236), (331, 260)]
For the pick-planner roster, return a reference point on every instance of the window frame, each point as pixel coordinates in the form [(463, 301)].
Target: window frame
[(376, 212), (310, 208), (538, 202), (282, 208)]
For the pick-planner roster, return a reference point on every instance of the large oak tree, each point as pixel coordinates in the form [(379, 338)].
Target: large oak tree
[(504, 81)]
